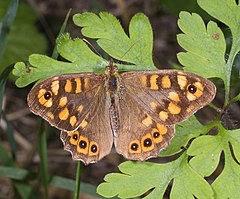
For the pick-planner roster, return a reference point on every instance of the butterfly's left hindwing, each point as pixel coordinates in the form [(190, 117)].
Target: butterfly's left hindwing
[(65, 100), (93, 139)]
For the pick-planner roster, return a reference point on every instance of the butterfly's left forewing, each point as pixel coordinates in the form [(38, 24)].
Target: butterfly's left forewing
[(65, 100)]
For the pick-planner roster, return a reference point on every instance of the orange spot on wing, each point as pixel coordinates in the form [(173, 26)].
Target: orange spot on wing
[(68, 86), (63, 101), (73, 120), (64, 114), (163, 115), (174, 109), (78, 85), (153, 82), (166, 82)]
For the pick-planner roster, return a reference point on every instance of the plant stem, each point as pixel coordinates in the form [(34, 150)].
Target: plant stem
[(78, 180), (43, 157), (233, 53)]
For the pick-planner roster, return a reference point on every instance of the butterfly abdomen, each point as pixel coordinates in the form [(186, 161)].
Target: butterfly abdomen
[(112, 83)]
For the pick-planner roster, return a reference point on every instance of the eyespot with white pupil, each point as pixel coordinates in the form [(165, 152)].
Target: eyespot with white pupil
[(47, 95), (82, 144), (134, 146), (94, 148), (147, 142), (156, 134), (192, 89), (75, 136)]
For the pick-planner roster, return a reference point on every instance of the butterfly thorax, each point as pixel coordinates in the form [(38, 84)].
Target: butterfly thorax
[(112, 78)]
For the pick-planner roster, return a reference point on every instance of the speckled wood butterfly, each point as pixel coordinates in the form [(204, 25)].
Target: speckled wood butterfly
[(134, 110)]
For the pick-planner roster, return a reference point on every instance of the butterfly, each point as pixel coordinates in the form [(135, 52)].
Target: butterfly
[(136, 111)]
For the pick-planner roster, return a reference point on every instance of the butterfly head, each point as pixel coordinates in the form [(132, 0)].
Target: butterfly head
[(111, 70)]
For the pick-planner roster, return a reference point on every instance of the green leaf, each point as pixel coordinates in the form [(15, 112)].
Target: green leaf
[(24, 190), (226, 11), (135, 48), (12, 172), (62, 30), (228, 182), (18, 177), (138, 178), (82, 59), (206, 151), (77, 52), (5, 25), (185, 131), (188, 183), (19, 174), (5, 158), (19, 45), (205, 46), (43, 67), (234, 138), (69, 184), (10, 137), (3, 78)]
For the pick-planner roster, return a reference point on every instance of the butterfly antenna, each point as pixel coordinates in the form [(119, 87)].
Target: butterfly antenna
[(92, 47), (130, 48)]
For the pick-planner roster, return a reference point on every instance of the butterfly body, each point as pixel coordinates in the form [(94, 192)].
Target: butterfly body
[(135, 110)]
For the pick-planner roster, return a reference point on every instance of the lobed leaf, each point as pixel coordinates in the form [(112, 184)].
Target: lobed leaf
[(133, 182), (227, 183), (205, 46), (77, 52), (228, 12), (205, 149), (234, 139), (82, 59), (42, 67), (135, 48)]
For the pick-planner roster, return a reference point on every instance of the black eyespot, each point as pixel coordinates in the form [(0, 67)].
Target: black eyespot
[(192, 89), (94, 148), (147, 142), (134, 146), (75, 136), (47, 95), (82, 144), (156, 134)]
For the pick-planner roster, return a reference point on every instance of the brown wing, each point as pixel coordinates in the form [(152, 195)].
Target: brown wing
[(93, 139), (139, 136), (169, 96), (65, 100), (149, 105)]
